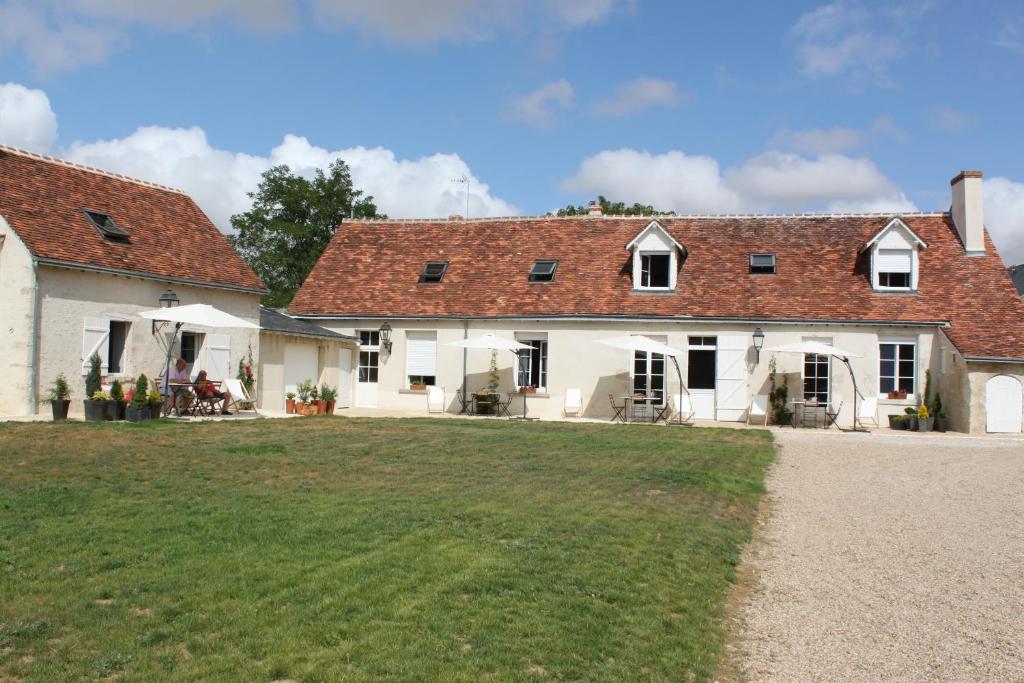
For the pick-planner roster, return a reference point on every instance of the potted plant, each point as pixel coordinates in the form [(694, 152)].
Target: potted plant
[(117, 400), (305, 395), (314, 399), (95, 411), (105, 403), (60, 397), (245, 373), (289, 403), (327, 397), (910, 419), (897, 422), (924, 419), (138, 410), (778, 397), (899, 394), (941, 422), (417, 386), (156, 403), (532, 389)]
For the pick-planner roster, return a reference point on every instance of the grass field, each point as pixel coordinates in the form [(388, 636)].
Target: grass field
[(366, 549)]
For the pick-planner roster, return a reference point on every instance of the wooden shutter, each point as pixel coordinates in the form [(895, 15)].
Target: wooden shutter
[(218, 356), (94, 340), (421, 353), (731, 378)]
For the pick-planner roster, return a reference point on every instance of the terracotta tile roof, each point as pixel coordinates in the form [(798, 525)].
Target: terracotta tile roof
[(371, 269), (43, 201), (282, 323)]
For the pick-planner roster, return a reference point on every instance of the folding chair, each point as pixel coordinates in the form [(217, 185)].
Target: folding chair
[(684, 411), (758, 408), (868, 411), (620, 410), (435, 399), (501, 407), (463, 403), (240, 398), (573, 403), (661, 412), (832, 414)]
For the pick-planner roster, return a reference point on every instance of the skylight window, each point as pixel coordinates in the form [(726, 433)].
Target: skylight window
[(543, 271), (433, 272), (107, 227), (762, 264)]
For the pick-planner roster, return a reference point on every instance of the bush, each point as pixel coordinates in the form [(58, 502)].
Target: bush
[(59, 390), (100, 396), (154, 396), (305, 390), (328, 393), (93, 380), (139, 399), (116, 390)]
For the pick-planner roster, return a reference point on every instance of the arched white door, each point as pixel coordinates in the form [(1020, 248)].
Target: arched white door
[(1004, 404)]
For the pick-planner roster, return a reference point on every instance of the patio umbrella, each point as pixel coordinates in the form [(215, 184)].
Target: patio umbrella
[(491, 342), (823, 349), (636, 342), (202, 315)]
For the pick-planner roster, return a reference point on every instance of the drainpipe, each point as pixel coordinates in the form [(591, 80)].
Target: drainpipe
[(33, 357), (465, 352)]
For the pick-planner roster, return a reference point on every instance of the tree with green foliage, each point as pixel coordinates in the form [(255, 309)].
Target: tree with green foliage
[(610, 208), (93, 379), (291, 221)]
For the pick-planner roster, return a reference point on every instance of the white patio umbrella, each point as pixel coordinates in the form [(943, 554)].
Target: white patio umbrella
[(637, 342), (823, 349), (491, 342), (202, 315)]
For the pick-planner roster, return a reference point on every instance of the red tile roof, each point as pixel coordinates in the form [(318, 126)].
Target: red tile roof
[(43, 200), (372, 268)]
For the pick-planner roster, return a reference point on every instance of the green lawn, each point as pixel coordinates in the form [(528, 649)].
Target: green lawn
[(367, 549)]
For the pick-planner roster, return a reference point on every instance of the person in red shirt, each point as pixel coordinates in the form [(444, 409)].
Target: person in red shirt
[(206, 389)]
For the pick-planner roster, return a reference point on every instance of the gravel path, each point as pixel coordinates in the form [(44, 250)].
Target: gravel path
[(888, 557)]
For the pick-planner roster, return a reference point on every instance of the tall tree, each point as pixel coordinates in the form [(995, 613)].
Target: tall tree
[(291, 221), (610, 208)]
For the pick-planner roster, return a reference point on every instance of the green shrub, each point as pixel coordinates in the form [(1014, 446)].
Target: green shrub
[(93, 380), (139, 399), (59, 390), (116, 390), (328, 393), (101, 396), (305, 390)]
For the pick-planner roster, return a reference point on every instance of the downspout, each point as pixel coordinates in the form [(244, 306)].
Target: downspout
[(33, 358), (465, 352)]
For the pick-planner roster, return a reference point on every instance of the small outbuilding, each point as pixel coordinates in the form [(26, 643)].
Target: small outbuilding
[(293, 351)]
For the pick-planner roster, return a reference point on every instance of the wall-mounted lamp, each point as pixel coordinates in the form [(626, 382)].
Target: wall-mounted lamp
[(758, 342), (385, 337), (167, 300)]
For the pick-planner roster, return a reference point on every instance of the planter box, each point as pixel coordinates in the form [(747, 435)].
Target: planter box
[(95, 411), (925, 424), (911, 423), (527, 390), (60, 409), (896, 422), (305, 409), (133, 414), (156, 409), (898, 395), (417, 387)]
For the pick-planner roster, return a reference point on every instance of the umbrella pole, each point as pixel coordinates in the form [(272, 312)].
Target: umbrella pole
[(167, 360), (679, 374), (856, 393)]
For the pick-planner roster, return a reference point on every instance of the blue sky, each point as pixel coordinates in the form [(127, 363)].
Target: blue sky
[(702, 107)]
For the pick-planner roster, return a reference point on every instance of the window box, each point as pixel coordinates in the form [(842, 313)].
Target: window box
[(527, 390), (898, 395), (417, 387)]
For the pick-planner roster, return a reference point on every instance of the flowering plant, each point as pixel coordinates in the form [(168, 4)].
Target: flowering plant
[(245, 373)]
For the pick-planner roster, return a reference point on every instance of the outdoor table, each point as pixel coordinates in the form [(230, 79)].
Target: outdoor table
[(798, 413), (177, 390), (630, 402), (492, 400)]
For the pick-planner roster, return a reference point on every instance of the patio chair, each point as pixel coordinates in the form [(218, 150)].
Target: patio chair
[(868, 411), (240, 398), (661, 412), (435, 399), (620, 410), (684, 411), (501, 408), (832, 414), (573, 403), (460, 396), (638, 408), (758, 408)]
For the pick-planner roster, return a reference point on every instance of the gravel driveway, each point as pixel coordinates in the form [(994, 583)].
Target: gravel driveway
[(888, 557)]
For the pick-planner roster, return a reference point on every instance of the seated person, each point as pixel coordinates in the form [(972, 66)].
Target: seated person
[(178, 375), (207, 390)]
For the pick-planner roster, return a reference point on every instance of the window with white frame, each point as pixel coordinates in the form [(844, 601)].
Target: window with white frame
[(649, 376), (655, 258), (894, 253), (894, 268), (369, 356), (654, 271), (897, 369), (816, 377), (532, 370), (421, 357)]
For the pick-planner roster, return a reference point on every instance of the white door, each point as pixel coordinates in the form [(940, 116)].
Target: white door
[(301, 362), (368, 368), (1003, 404), (344, 378), (703, 403), (218, 357), (731, 378)]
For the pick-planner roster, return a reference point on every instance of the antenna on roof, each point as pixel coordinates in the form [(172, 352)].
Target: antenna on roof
[(464, 180)]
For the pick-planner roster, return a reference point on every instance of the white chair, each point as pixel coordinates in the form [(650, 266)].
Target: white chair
[(868, 411), (573, 403), (240, 398), (758, 409), (435, 399), (683, 409)]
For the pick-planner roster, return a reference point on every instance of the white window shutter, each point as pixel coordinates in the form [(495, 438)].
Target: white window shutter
[(218, 356), (894, 261), (94, 340), (421, 353)]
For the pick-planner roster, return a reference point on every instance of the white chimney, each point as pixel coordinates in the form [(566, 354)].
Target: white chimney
[(594, 209), (968, 216)]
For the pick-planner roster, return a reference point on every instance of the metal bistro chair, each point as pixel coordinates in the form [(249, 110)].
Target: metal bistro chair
[(502, 407), (463, 403), (620, 410), (660, 411), (832, 414), (639, 407)]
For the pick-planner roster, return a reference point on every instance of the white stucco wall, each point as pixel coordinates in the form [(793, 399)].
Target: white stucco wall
[(576, 361), (978, 374), (68, 296), (270, 375), (17, 282)]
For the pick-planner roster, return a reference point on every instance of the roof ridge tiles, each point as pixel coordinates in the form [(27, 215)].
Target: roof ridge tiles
[(89, 169), (700, 216)]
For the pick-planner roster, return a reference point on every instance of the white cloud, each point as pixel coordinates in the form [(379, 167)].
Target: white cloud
[(580, 12), (1004, 217), (770, 182), (818, 140), (540, 107), (639, 94), (53, 45), (951, 120), (416, 22), (219, 179), (26, 119)]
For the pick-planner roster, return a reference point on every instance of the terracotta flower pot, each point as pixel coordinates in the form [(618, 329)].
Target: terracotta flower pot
[(321, 407), (289, 406), (330, 407)]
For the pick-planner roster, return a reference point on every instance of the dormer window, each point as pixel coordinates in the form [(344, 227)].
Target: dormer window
[(762, 264), (106, 226), (433, 272), (894, 258), (543, 271), (656, 257)]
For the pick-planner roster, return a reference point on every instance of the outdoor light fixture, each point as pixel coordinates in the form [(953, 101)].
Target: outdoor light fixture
[(167, 300), (385, 337), (758, 342)]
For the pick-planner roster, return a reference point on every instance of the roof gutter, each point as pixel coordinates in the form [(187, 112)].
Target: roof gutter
[(992, 359), (57, 263), (333, 337)]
